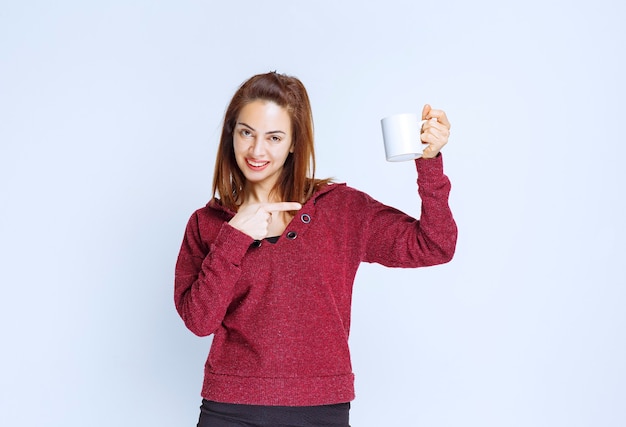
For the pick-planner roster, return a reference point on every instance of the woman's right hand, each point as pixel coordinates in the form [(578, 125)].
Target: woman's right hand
[(254, 219)]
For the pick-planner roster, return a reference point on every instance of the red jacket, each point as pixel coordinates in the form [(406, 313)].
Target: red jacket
[(280, 311)]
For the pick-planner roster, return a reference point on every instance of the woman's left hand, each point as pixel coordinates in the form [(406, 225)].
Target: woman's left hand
[(435, 131)]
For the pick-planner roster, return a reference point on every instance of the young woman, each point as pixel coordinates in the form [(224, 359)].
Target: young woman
[(268, 267)]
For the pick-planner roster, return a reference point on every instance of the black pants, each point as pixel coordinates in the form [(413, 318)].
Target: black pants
[(215, 414)]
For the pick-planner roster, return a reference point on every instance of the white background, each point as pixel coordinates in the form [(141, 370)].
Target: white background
[(109, 118)]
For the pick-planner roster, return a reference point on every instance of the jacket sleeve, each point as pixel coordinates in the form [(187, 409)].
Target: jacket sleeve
[(395, 239), (206, 274)]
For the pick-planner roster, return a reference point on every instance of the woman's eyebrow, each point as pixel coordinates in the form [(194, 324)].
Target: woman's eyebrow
[(266, 133), (246, 125)]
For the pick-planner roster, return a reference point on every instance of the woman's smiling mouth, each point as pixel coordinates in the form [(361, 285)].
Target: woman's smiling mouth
[(256, 165)]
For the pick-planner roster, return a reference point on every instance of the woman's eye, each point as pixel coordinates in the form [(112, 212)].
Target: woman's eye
[(275, 138), (245, 132)]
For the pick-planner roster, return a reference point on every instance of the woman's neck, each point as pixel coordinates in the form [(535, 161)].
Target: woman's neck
[(259, 194)]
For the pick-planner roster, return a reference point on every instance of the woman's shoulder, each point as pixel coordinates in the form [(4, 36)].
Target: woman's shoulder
[(333, 192), (211, 214)]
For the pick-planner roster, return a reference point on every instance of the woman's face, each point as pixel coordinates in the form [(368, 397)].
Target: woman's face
[(262, 142)]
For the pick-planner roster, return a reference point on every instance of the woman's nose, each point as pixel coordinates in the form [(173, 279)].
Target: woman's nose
[(257, 147)]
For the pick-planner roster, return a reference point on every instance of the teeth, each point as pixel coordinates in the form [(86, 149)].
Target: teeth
[(256, 164)]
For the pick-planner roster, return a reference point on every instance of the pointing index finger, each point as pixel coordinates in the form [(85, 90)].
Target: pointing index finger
[(282, 206)]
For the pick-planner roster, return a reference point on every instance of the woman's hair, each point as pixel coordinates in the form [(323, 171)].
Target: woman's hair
[(296, 182)]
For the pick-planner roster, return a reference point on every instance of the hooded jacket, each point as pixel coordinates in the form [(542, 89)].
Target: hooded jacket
[(280, 312)]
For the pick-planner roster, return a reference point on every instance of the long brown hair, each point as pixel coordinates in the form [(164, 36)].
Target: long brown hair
[(296, 182)]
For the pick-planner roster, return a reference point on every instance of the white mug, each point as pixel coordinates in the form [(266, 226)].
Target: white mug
[(401, 134)]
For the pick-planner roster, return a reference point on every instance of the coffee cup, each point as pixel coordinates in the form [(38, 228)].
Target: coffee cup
[(402, 137)]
